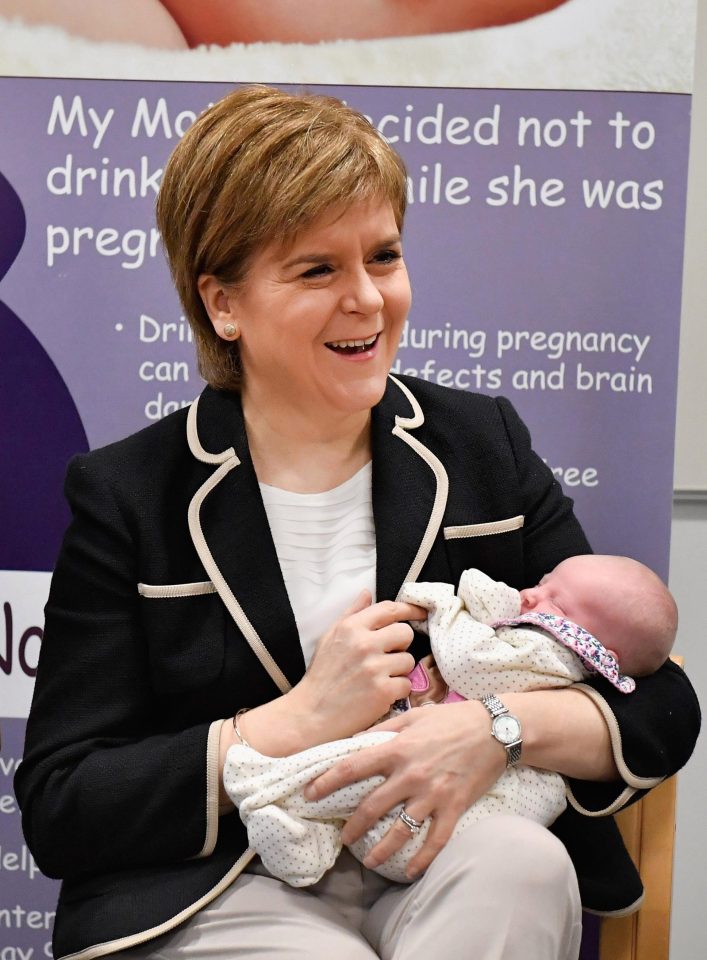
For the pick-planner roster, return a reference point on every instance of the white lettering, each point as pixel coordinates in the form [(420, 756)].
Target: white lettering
[(554, 132), (152, 330), (164, 371), (101, 125), (59, 115), (135, 245), (143, 119), (559, 343), (518, 189), (8, 765), (159, 407), (76, 116), (16, 953)]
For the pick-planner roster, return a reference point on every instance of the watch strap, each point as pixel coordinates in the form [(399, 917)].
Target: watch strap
[(497, 708), (494, 706), (513, 754)]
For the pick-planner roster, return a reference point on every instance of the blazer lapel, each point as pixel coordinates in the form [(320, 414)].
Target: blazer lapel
[(230, 531), (231, 534), (410, 487)]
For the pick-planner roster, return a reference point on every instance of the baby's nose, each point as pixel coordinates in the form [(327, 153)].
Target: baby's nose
[(528, 599)]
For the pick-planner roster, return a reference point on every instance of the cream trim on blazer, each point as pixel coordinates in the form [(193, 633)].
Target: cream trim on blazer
[(171, 591), (195, 444), (487, 529), (402, 425), (222, 588), (124, 943), (227, 461), (633, 781)]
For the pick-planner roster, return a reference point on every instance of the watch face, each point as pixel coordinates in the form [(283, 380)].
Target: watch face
[(506, 729)]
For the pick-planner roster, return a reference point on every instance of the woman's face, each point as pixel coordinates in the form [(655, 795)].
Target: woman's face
[(319, 320)]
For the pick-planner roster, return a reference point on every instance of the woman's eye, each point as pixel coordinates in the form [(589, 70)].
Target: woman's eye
[(321, 270), (387, 256)]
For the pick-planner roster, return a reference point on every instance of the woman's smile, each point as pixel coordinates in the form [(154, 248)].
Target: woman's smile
[(355, 349)]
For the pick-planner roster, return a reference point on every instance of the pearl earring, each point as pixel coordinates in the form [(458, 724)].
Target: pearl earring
[(230, 330)]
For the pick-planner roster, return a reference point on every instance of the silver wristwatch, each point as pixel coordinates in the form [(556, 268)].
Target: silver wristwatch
[(505, 727)]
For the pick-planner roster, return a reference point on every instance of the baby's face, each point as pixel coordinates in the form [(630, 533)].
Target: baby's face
[(542, 599), (572, 590)]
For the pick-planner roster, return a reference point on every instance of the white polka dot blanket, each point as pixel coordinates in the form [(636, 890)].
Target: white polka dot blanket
[(299, 840)]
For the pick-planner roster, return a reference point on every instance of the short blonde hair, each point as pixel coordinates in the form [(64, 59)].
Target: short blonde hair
[(256, 168)]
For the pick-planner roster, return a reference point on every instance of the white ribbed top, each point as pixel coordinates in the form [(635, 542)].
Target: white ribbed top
[(326, 547)]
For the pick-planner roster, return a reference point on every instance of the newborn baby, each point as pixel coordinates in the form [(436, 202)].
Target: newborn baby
[(486, 639)]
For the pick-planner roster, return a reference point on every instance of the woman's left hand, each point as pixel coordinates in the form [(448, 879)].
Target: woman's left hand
[(443, 759)]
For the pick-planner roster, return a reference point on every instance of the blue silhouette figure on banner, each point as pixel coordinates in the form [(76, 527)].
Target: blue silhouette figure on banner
[(41, 427)]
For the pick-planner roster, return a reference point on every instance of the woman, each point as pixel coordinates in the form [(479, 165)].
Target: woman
[(182, 597)]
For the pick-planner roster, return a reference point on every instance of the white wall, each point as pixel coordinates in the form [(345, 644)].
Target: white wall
[(688, 573), (688, 556), (691, 445)]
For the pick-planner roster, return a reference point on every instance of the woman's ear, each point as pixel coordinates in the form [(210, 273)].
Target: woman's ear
[(219, 304)]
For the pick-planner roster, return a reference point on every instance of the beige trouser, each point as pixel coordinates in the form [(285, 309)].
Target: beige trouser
[(504, 889)]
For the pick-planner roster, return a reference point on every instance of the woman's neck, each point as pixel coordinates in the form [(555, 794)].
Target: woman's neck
[(294, 453)]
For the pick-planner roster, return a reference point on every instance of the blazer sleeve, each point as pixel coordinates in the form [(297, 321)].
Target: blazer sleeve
[(103, 785), (653, 732), (654, 729)]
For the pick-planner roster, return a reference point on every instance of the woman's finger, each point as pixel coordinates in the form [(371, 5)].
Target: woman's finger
[(376, 804), (385, 612), (389, 639), (396, 838), (362, 601), (369, 762), (396, 724), (400, 665), (440, 830), (439, 826)]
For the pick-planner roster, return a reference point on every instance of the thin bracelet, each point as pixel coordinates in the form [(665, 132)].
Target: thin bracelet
[(240, 736)]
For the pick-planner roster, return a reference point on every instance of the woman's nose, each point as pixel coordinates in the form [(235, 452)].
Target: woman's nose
[(362, 295)]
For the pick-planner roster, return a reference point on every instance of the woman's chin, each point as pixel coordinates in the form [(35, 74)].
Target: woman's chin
[(360, 396)]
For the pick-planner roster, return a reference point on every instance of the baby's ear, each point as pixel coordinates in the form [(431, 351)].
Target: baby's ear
[(613, 653)]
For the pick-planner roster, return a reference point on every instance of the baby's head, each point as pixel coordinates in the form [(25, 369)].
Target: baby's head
[(621, 602)]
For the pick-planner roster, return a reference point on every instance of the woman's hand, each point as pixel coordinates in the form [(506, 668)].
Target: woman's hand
[(442, 760), (359, 669), (361, 666)]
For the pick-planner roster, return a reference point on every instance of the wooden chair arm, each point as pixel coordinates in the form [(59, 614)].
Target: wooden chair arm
[(648, 829)]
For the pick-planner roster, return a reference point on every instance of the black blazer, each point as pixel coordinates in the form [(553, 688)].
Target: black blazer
[(168, 612)]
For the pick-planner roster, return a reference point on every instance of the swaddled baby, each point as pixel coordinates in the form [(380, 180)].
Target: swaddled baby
[(487, 638)]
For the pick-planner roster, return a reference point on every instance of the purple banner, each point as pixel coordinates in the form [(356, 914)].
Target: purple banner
[(27, 899), (544, 241)]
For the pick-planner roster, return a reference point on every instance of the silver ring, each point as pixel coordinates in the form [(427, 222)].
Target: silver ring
[(414, 826)]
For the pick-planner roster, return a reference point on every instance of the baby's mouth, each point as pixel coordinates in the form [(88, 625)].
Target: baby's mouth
[(352, 346)]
